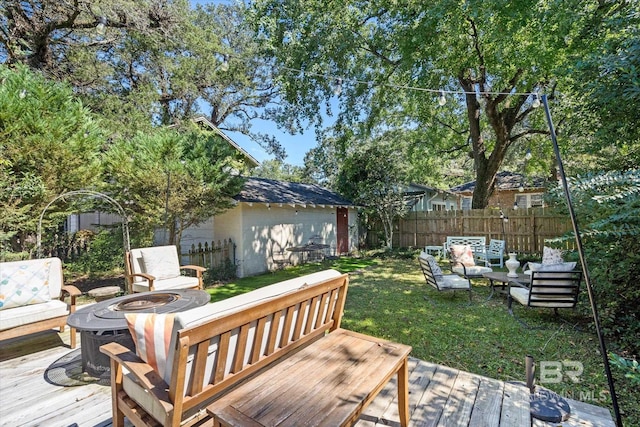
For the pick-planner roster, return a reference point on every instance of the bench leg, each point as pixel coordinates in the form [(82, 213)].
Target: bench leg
[(403, 393)]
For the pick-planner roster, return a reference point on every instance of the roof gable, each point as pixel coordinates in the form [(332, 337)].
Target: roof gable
[(262, 190), (251, 161)]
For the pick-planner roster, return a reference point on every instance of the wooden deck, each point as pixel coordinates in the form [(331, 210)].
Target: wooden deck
[(41, 384)]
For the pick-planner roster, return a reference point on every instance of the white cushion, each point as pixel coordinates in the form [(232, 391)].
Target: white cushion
[(27, 314), (180, 282), (161, 262), (522, 296), (476, 270), (435, 268), (563, 266), (453, 281)]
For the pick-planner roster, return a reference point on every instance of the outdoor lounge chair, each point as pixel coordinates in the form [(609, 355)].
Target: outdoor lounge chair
[(442, 282), (158, 268), (462, 261), (546, 289)]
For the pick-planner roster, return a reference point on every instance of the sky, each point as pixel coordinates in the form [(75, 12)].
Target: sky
[(296, 146)]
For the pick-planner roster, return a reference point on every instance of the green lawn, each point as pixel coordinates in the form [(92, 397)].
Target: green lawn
[(387, 299)]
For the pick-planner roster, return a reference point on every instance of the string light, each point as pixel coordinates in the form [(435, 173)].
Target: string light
[(102, 23), (337, 88), (442, 99), (369, 84), (225, 64), (536, 100)]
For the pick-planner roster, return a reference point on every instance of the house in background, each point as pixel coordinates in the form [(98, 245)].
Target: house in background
[(422, 198), (511, 190), (271, 216)]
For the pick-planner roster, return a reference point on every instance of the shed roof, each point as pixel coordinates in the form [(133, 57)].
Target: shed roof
[(262, 190), (505, 181)]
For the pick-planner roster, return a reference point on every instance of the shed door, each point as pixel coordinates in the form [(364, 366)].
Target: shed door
[(342, 230)]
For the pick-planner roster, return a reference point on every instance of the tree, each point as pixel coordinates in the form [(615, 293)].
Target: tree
[(148, 62), (279, 170), (49, 145), (374, 176), (173, 178), (492, 54)]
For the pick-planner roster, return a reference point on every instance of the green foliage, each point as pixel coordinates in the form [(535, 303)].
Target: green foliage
[(607, 206), (279, 170), (222, 273), (173, 178), (631, 368), (374, 176), (105, 254), (48, 145)]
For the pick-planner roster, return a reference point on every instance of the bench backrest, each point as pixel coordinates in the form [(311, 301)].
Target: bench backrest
[(495, 248), (477, 243), (214, 355), (36, 273), (554, 289), (426, 261)]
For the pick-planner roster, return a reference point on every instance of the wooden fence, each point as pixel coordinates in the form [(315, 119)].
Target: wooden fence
[(211, 255), (525, 230)]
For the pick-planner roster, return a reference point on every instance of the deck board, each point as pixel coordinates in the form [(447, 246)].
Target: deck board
[(41, 384)]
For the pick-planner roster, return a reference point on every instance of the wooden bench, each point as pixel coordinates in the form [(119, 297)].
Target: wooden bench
[(284, 359)]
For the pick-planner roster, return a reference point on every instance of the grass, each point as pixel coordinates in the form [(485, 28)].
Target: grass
[(386, 299)]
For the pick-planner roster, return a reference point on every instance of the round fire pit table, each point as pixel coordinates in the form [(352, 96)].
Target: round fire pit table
[(104, 321)]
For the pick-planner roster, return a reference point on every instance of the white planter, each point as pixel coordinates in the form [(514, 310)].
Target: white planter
[(512, 264)]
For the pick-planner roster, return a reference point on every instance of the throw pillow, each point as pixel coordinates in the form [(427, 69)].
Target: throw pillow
[(151, 334), (551, 255), (462, 254), (563, 266), (24, 284), (161, 262)]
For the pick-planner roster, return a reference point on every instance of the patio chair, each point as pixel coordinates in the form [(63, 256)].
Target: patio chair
[(463, 263), (493, 252), (442, 282), (546, 289), (158, 268)]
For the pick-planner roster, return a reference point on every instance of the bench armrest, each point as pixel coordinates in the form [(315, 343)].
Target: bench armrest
[(199, 270), (143, 373), (73, 293)]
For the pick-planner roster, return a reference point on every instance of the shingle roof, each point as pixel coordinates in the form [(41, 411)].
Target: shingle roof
[(505, 181), (262, 190)]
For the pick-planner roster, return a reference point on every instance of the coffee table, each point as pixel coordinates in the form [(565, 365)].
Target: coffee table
[(501, 276), (104, 321)]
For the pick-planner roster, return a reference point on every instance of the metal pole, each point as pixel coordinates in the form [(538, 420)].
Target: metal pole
[(583, 261)]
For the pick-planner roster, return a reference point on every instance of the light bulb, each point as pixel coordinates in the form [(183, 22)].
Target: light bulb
[(521, 188), (102, 23), (337, 88), (225, 64), (515, 205), (536, 100), (441, 99), (528, 155)]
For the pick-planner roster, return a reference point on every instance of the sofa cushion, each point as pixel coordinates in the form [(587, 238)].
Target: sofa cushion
[(180, 282), (24, 283), (34, 313), (435, 267), (161, 262), (151, 333)]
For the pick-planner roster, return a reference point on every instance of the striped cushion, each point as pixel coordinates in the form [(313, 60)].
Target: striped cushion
[(151, 333)]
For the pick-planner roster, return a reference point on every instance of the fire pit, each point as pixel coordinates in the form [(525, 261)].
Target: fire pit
[(104, 321)]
